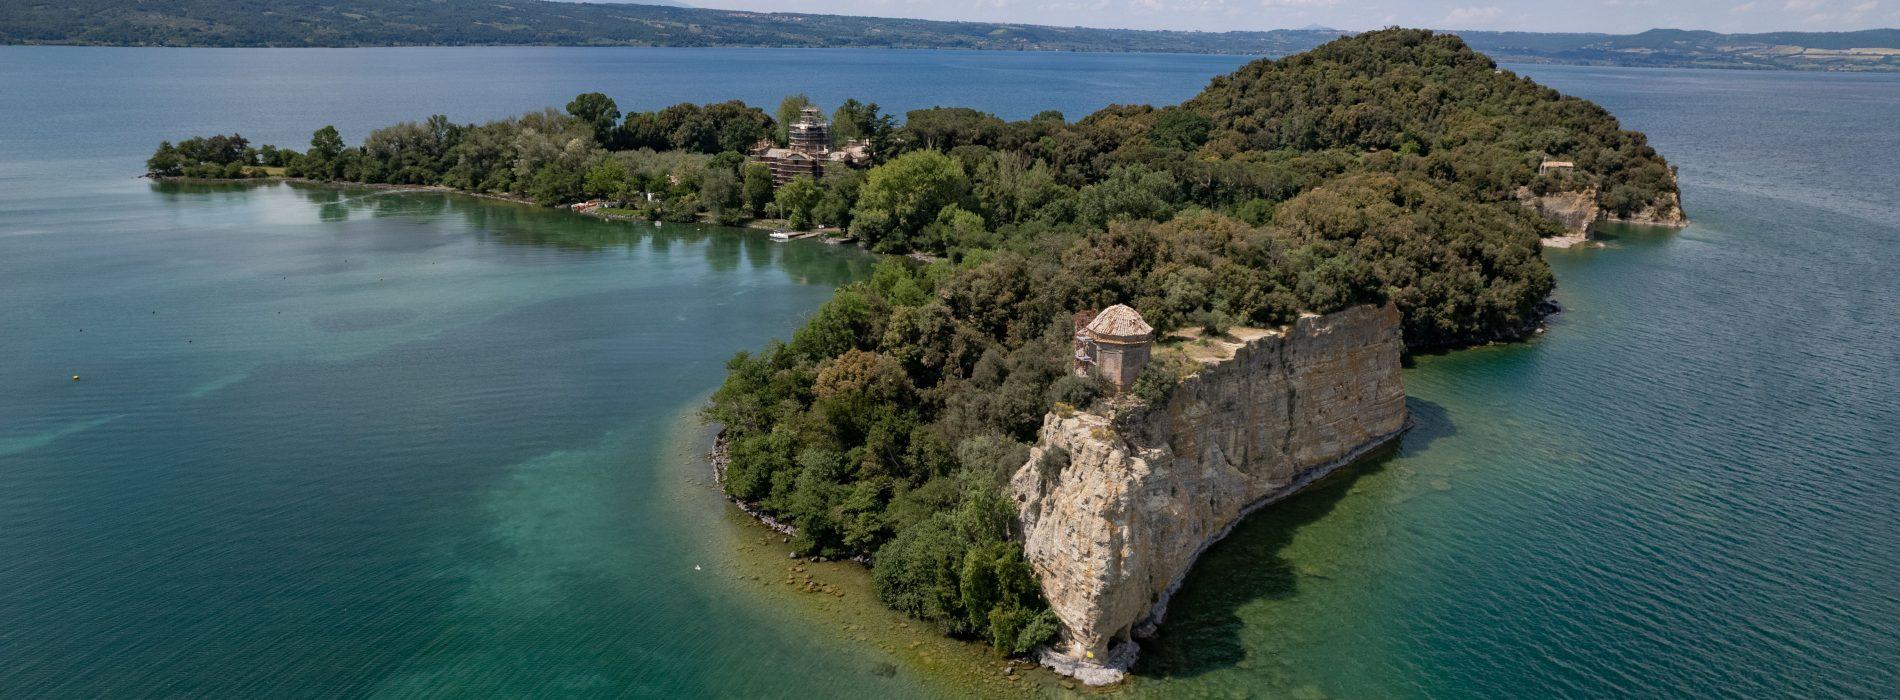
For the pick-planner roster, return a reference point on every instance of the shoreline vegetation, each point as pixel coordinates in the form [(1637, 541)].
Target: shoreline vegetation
[(1378, 168), (364, 23), (836, 594), (833, 235)]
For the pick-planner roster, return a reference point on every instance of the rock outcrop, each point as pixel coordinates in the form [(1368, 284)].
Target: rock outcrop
[(1666, 212), (1115, 509), (1576, 210)]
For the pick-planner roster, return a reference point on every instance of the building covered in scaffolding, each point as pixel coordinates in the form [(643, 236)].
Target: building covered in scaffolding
[(808, 150)]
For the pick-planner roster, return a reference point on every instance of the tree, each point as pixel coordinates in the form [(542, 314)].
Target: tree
[(324, 159), (916, 573), (726, 160), (797, 200), (841, 186), (944, 128), (326, 143), (1132, 192), (553, 184), (789, 110), (166, 162), (1010, 188), (861, 121), (723, 195), (758, 187), (841, 324), (598, 112), (903, 196), (609, 179), (1180, 129), (957, 229)]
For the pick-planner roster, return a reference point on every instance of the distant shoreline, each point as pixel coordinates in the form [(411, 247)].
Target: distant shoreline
[(432, 23), (1503, 57)]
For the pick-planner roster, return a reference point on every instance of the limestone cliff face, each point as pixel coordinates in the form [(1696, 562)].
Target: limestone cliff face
[(1575, 211), (1662, 212), (1114, 510)]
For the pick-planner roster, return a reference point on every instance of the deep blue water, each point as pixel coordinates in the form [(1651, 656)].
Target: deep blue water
[(340, 441)]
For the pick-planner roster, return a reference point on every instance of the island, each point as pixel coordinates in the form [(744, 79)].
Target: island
[(1095, 345)]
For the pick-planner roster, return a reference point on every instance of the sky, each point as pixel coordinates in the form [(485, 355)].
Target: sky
[(1615, 16)]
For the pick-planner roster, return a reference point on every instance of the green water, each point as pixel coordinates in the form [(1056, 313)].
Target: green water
[(370, 443)]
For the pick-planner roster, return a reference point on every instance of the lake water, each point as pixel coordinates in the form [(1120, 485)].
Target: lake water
[(357, 442)]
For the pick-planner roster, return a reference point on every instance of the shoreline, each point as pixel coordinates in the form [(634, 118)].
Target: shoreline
[(824, 234), (1111, 672), (717, 457), (1532, 327), (1503, 59), (339, 184), (835, 597)]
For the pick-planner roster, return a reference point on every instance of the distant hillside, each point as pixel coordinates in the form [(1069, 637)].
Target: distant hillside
[(487, 22), (540, 22), (1873, 49)]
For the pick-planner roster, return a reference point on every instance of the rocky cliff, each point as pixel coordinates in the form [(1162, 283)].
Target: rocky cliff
[(1115, 509), (1666, 211), (1576, 210)]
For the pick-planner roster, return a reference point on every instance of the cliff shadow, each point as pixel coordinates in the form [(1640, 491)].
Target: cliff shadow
[(1430, 423), (1203, 631)]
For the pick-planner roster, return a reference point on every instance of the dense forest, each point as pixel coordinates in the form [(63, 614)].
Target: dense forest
[(541, 22), (1378, 167)]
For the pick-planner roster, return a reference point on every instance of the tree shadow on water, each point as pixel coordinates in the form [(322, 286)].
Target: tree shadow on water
[(1202, 632)]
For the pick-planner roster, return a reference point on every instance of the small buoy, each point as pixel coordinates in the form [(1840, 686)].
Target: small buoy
[(75, 377)]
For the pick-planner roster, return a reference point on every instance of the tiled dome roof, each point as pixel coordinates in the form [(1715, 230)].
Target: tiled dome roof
[(1120, 323)]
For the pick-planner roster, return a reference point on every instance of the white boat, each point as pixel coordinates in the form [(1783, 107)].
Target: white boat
[(781, 235)]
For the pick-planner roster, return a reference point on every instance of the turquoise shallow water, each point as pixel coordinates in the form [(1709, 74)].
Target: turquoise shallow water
[(346, 441)]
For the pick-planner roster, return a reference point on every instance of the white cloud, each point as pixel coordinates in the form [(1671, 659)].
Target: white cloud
[(1464, 17)]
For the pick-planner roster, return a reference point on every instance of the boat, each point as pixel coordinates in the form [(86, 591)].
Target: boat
[(781, 235)]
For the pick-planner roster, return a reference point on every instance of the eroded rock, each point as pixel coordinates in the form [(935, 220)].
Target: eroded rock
[(1115, 509)]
